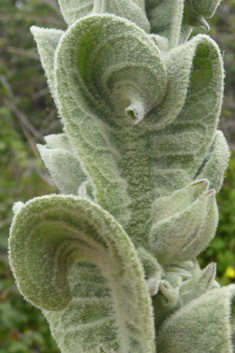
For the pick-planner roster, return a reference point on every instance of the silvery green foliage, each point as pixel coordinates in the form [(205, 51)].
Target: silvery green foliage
[(112, 260)]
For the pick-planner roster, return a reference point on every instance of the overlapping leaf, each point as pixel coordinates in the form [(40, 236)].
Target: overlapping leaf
[(205, 8), (205, 324), (107, 300), (180, 284), (165, 18), (140, 114), (101, 94), (62, 163), (47, 41), (72, 10), (216, 162), (109, 70), (133, 10), (183, 223), (175, 19)]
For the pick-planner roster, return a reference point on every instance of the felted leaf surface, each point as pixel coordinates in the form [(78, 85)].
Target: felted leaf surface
[(118, 61), (184, 143), (205, 8), (133, 10), (72, 10), (64, 167), (205, 324), (180, 284), (47, 41), (110, 72), (108, 301), (175, 19), (189, 220), (165, 18), (199, 283), (216, 162)]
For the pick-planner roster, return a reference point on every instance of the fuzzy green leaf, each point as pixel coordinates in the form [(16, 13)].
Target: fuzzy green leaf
[(165, 18), (179, 284), (72, 10), (175, 19), (187, 225), (52, 233), (178, 201), (47, 41), (216, 162), (102, 94), (101, 63), (64, 167), (184, 143), (205, 8), (133, 10), (180, 66), (199, 283), (184, 332), (152, 270)]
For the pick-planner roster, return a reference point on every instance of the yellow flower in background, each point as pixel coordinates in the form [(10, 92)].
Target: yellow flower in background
[(230, 272)]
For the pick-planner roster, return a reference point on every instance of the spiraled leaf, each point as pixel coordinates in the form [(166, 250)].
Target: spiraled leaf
[(72, 10), (64, 167), (205, 324), (52, 233), (47, 41), (113, 73), (100, 62), (216, 162)]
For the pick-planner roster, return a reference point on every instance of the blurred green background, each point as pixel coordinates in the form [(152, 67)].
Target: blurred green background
[(27, 113)]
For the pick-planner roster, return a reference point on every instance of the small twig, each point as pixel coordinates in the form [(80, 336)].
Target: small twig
[(26, 126), (13, 107), (51, 128), (46, 177), (19, 51), (47, 19), (40, 93), (22, 118), (7, 86), (53, 4)]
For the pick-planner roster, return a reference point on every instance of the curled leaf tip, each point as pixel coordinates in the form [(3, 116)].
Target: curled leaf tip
[(171, 294), (136, 110), (202, 23), (153, 284)]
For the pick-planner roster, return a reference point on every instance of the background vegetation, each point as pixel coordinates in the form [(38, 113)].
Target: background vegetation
[(27, 113)]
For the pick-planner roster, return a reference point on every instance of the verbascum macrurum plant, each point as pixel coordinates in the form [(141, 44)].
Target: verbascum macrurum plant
[(111, 261)]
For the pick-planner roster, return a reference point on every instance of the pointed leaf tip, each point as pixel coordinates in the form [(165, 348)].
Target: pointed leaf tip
[(17, 207)]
